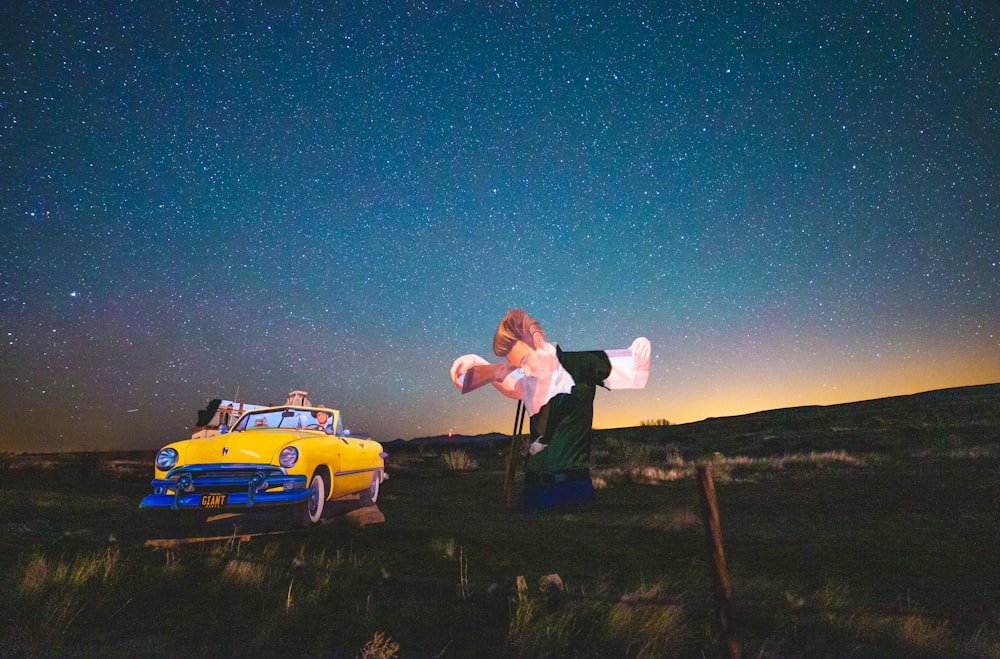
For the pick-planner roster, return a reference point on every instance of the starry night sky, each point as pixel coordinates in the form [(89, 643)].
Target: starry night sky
[(798, 203)]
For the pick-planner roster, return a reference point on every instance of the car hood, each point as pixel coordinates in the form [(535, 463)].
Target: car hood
[(249, 446)]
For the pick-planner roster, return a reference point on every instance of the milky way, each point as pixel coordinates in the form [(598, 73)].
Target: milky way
[(797, 204)]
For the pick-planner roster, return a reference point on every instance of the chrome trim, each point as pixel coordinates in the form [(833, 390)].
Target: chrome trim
[(356, 471), (225, 467)]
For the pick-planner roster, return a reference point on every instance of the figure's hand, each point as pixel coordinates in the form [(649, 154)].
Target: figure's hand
[(641, 349), (536, 447), (463, 364)]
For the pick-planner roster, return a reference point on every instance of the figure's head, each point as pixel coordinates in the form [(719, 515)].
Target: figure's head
[(321, 417), (516, 325), (520, 339)]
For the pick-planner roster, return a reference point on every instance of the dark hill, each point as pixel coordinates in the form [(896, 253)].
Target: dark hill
[(944, 419), (445, 441)]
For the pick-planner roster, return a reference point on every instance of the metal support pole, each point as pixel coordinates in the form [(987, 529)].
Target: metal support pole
[(514, 456)]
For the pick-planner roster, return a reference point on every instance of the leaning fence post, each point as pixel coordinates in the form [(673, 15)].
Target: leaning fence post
[(713, 531)]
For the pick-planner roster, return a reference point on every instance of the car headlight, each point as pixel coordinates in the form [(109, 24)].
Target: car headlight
[(288, 456), (166, 458)]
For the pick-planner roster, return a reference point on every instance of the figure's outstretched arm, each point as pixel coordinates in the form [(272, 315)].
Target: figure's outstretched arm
[(633, 372), (463, 364), (508, 384)]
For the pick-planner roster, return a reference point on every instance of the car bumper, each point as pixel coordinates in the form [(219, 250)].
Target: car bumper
[(232, 500), (217, 487)]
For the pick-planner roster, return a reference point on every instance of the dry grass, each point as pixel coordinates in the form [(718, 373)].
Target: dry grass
[(381, 646), (642, 623), (459, 460), (43, 574), (244, 573), (641, 463)]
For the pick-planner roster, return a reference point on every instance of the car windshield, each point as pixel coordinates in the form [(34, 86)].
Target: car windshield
[(286, 418)]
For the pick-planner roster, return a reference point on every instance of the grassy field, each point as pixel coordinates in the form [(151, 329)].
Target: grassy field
[(886, 549)]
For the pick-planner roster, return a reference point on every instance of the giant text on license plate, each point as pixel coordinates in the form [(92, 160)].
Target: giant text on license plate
[(213, 500)]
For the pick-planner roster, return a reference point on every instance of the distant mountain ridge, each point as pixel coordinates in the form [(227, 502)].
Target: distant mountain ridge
[(931, 420), (451, 439), (977, 402), (894, 419)]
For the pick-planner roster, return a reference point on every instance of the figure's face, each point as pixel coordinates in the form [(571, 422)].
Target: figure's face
[(321, 418), (533, 362)]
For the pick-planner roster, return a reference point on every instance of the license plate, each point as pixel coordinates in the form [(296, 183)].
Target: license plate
[(213, 500)]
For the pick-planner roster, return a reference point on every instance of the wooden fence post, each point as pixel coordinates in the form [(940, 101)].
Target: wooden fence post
[(713, 531)]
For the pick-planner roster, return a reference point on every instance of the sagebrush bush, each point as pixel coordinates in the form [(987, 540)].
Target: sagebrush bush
[(459, 460)]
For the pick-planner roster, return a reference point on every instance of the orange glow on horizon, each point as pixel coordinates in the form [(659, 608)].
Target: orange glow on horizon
[(736, 393)]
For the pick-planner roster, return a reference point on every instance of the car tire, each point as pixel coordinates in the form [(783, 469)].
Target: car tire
[(370, 496), (310, 511)]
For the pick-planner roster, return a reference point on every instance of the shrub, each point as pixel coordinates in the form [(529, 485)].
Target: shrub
[(631, 456), (459, 460), (381, 646)]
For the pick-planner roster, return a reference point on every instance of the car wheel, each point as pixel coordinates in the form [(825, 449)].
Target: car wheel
[(370, 496), (310, 511)]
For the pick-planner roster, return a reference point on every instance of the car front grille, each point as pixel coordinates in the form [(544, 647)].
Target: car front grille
[(230, 478)]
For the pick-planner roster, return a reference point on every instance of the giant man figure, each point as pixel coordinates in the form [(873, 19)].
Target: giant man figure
[(557, 389)]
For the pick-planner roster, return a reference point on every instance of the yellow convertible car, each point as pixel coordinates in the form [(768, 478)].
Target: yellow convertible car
[(296, 456)]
